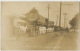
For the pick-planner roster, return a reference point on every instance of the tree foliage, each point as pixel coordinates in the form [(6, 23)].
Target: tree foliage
[(74, 21)]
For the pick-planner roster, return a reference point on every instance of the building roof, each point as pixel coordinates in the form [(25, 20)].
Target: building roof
[(34, 15)]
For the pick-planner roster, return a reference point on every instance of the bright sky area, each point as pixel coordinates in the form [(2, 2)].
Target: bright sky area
[(21, 8)]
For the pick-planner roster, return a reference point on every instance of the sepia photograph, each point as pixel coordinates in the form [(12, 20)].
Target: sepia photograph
[(40, 25)]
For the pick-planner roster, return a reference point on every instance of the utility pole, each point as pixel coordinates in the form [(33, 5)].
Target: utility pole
[(60, 12), (65, 20), (48, 11), (60, 15), (66, 23), (47, 19), (48, 16), (57, 20)]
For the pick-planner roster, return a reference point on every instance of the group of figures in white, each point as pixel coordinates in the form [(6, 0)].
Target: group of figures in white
[(41, 29)]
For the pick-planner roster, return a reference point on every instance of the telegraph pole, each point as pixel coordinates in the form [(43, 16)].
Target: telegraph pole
[(65, 20), (47, 20), (60, 12), (48, 11), (60, 15), (48, 15), (57, 20)]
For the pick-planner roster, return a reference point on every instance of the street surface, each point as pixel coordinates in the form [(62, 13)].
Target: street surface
[(49, 41)]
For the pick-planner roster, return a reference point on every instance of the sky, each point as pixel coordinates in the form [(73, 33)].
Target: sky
[(20, 8)]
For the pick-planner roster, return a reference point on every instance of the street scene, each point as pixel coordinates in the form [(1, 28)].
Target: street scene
[(40, 26)]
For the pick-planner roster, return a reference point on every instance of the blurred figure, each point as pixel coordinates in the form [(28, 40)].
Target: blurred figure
[(67, 29)]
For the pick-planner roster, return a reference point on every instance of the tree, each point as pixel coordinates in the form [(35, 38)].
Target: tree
[(51, 23), (74, 22), (46, 23)]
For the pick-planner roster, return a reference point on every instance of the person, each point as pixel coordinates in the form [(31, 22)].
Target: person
[(67, 29)]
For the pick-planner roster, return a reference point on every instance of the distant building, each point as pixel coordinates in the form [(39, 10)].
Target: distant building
[(33, 20)]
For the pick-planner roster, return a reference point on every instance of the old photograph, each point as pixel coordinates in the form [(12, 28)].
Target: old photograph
[(40, 25)]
